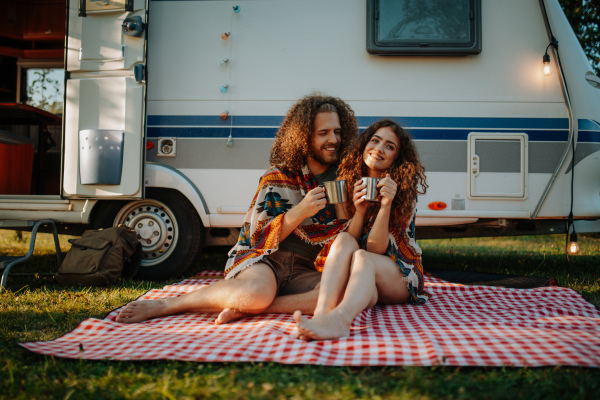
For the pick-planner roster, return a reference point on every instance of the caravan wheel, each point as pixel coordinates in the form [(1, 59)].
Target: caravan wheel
[(168, 228)]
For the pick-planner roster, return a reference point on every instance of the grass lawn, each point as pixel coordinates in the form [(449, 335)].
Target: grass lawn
[(36, 308)]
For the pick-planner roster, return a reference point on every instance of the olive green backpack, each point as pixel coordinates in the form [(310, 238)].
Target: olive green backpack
[(101, 257)]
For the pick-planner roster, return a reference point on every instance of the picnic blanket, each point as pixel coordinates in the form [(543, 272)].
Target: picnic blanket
[(459, 326)]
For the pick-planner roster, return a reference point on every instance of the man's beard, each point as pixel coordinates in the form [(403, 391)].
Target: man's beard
[(317, 157)]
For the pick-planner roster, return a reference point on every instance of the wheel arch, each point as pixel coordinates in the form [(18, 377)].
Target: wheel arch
[(164, 176)]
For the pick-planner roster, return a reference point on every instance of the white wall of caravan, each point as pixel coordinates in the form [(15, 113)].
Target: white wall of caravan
[(282, 50)]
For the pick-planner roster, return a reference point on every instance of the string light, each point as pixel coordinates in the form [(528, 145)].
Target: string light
[(573, 248), (546, 57)]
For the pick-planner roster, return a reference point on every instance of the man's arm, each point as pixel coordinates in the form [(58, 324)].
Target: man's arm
[(312, 203)]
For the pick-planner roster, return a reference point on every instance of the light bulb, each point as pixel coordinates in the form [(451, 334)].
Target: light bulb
[(224, 115), (237, 9), (225, 35), (573, 248), (546, 60), (224, 88)]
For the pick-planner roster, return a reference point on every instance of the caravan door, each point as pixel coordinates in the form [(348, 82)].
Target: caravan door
[(104, 102)]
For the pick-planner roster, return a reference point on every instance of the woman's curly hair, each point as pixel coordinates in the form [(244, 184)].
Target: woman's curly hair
[(406, 170), (294, 138)]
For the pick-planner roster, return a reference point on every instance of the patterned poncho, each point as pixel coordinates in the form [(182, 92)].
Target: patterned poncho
[(278, 191), (404, 250)]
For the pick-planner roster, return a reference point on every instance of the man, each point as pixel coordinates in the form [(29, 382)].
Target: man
[(287, 232)]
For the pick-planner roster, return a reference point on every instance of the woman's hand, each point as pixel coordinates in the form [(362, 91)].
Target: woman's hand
[(360, 191), (387, 190)]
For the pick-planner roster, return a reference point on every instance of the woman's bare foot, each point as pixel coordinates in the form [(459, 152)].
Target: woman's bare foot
[(228, 315), (334, 325), (142, 310)]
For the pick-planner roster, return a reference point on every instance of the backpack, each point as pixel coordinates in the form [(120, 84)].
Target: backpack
[(100, 257)]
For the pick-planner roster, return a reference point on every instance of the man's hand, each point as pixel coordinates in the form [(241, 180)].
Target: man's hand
[(312, 203)]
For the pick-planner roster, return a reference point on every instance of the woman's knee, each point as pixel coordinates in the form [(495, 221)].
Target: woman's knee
[(361, 261)]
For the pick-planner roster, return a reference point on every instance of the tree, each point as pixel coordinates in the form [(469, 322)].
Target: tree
[(45, 92), (584, 17)]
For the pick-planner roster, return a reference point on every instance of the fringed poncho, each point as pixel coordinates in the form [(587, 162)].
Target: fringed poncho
[(279, 190)]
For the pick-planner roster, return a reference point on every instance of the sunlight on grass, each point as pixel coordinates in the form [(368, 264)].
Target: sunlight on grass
[(37, 308)]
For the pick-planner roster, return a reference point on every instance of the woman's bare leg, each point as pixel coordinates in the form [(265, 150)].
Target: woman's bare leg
[(335, 273), (371, 276), (251, 292)]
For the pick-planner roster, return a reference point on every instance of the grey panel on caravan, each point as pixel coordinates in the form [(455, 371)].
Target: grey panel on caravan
[(436, 156)]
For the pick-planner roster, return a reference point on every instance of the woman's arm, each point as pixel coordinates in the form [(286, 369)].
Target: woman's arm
[(377, 241), (358, 221)]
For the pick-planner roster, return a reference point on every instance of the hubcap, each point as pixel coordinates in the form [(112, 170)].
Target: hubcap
[(155, 226)]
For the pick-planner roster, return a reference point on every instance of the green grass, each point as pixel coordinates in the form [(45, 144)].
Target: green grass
[(36, 308)]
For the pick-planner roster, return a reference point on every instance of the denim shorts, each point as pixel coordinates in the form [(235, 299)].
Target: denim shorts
[(294, 273)]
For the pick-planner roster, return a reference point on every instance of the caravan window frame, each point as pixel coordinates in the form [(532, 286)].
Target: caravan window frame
[(406, 46)]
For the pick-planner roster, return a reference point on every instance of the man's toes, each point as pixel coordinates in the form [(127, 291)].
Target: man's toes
[(298, 316)]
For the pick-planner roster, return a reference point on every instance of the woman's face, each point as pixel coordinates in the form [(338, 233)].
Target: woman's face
[(381, 150)]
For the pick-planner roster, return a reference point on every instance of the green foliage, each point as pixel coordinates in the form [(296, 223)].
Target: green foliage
[(584, 17), (45, 92), (36, 308)]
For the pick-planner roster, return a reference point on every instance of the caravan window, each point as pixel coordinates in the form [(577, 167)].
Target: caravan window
[(424, 27)]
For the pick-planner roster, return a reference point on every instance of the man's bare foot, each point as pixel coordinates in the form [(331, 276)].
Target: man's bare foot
[(331, 326), (228, 315), (142, 310)]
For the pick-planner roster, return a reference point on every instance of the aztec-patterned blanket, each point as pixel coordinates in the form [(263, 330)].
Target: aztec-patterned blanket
[(278, 191), (459, 326)]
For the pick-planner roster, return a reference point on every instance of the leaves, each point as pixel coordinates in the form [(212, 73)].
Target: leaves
[(584, 17)]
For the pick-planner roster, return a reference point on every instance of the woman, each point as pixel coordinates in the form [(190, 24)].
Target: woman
[(377, 259)]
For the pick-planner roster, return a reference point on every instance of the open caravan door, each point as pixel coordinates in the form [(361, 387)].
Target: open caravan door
[(104, 102)]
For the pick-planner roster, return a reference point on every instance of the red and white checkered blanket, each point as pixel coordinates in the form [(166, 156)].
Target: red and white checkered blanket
[(459, 326)]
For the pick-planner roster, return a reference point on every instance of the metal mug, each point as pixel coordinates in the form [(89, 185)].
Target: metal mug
[(372, 189), (335, 192)]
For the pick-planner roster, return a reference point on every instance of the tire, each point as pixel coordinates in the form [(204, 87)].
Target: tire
[(168, 227)]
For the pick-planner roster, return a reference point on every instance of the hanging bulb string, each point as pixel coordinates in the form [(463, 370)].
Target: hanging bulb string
[(553, 43), (231, 42)]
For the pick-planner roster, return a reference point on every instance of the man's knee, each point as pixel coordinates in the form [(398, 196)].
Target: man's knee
[(256, 288)]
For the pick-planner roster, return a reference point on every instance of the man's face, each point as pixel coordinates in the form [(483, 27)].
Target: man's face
[(326, 139)]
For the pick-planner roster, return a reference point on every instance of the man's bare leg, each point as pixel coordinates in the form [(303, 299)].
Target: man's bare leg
[(305, 302), (251, 291)]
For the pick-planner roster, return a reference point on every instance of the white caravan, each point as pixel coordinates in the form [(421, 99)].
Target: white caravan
[(171, 108)]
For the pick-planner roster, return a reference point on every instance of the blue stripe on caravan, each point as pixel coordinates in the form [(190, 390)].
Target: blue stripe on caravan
[(214, 120), (253, 133), (408, 122), (588, 125), (586, 136), (473, 123)]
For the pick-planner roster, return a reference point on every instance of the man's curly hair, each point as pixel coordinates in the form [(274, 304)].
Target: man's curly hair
[(294, 138), (406, 170)]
